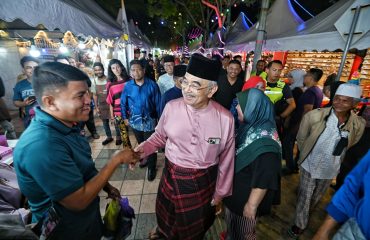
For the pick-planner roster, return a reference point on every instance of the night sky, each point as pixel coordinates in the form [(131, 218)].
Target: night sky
[(135, 10)]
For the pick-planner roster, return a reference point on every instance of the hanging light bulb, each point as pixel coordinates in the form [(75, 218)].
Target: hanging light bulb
[(81, 45), (63, 49), (34, 52), (95, 48)]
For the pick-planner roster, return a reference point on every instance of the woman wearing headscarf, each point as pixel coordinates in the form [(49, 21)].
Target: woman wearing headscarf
[(255, 82), (296, 78), (256, 183)]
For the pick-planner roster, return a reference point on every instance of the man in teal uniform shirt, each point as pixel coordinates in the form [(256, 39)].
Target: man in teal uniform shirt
[(53, 161)]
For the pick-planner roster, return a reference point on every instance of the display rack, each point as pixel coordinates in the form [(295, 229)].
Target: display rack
[(365, 75), (327, 61)]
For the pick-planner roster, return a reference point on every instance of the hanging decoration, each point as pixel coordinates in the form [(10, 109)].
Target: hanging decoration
[(195, 33), (42, 41), (69, 39), (3, 34)]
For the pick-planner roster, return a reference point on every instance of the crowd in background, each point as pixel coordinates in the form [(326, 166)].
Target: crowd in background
[(275, 121)]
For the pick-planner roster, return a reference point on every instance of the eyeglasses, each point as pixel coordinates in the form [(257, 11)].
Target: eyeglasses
[(193, 87)]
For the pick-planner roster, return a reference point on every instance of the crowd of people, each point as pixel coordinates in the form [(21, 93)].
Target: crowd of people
[(225, 142)]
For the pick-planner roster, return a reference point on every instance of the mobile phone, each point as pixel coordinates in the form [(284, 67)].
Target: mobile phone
[(31, 98)]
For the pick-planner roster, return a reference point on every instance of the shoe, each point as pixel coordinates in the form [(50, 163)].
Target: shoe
[(118, 142), (294, 232), (106, 141), (95, 136), (151, 174)]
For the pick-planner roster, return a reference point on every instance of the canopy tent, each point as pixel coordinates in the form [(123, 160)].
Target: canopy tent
[(80, 17), (326, 31), (137, 37), (239, 27), (280, 18)]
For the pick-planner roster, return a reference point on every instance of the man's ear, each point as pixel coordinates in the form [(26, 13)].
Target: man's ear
[(48, 102), (212, 91)]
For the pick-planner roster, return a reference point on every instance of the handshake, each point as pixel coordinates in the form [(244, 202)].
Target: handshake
[(129, 156)]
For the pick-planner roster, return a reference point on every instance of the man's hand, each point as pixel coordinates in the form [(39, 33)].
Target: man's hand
[(218, 204), (125, 121), (140, 150), (250, 211), (126, 156), (113, 192), (29, 101)]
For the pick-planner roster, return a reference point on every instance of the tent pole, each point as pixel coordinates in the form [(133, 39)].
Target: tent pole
[(349, 40), (260, 33), (126, 31)]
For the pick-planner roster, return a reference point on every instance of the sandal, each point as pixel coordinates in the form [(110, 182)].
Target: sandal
[(155, 234)]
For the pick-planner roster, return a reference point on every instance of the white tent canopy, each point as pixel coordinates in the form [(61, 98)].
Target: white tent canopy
[(326, 31), (80, 17), (280, 18)]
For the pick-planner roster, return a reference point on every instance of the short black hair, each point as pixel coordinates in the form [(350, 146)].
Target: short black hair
[(28, 59), (133, 62), (50, 76), (261, 60), (235, 62), (60, 57), (330, 79), (316, 73), (227, 56), (274, 61), (98, 64), (237, 56)]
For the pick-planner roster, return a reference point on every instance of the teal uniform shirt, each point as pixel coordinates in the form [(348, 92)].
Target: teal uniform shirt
[(52, 161)]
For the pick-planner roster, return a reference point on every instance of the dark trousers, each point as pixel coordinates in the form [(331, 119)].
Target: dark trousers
[(107, 130), (288, 148), (90, 124), (141, 137)]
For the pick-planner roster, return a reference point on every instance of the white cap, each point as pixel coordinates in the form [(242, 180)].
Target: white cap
[(349, 90)]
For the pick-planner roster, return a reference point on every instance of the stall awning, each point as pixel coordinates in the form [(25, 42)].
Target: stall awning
[(80, 17)]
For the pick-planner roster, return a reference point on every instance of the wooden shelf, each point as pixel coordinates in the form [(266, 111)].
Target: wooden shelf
[(327, 61)]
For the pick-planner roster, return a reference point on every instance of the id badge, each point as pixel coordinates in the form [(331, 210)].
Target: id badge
[(214, 140)]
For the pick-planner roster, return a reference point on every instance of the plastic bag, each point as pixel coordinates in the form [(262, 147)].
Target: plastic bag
[(124, 220), (111, 215)]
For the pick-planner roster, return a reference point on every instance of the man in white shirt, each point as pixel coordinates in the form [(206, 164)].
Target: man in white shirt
[(165, 81)]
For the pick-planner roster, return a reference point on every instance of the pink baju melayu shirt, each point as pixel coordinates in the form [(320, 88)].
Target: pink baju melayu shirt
[(197, 138)]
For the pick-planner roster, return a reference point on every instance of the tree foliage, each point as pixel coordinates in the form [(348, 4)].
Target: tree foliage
[(183, 15)]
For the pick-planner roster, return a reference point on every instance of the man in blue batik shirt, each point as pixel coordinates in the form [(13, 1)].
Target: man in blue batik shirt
[(350, 205), (140, 107)]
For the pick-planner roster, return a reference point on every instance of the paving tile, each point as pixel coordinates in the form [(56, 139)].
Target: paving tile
[(148, 203), (132, 187), (100, 162), (119, 174), (151, 187), (135, 201), (106, 153), (136, 174), (145, 223), (95, 153), (159, 172)]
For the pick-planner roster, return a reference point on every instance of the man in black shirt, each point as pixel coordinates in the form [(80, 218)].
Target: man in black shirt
[(229, 84)]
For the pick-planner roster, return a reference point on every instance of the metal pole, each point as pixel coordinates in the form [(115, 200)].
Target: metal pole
[(349, 40), (261, 32), (126, 31)]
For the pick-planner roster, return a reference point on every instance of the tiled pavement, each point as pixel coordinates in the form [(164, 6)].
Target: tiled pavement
[(142, 196)]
